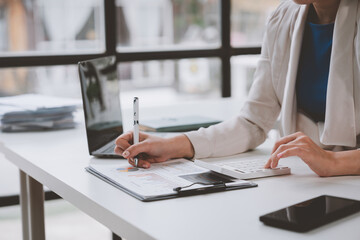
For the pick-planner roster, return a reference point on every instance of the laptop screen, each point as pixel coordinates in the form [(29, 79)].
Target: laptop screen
[(101, 101)]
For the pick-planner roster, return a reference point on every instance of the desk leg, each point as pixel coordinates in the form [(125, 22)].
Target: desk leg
[(32, 208), (24, 206), (36, 209)]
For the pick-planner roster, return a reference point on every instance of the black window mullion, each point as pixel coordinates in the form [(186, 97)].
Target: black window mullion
[(51, 60), (225, 48), (245, 51), (110, 26), (162, 55)]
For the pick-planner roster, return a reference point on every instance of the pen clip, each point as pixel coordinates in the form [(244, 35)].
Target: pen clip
[(213, 185)]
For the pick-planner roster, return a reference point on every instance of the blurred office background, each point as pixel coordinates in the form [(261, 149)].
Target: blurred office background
[(167, 51), (49, 29)]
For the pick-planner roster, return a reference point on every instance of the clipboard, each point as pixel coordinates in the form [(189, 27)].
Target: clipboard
[(171, 179)]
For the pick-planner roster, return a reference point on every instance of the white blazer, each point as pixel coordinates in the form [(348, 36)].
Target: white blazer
[(273, 91)]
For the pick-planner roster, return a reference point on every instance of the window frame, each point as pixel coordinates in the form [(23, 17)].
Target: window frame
[(224, 52)]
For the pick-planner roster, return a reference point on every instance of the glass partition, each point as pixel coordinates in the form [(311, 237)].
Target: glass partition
[(167, 24), (49, 27), (248, 20), (161, 82)]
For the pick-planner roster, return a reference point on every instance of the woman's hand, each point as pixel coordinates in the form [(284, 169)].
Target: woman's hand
[(298, 144), (153, 149)]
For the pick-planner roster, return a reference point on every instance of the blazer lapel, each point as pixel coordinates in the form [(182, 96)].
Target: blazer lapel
[(288, 108), (339, 127)]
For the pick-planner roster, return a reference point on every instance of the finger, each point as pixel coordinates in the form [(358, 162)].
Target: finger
[(290, 152), (284, 140), (284, 147), (268, 163), (143, 136), (124, 139), (304, 140), (134, 150), (274, 159), (146, 157), (275, 156), (141, 163), (123, 144), (126, 146), (295, 151), (118, 150)]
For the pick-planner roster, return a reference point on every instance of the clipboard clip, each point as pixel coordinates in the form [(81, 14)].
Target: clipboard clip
[(219, 184)]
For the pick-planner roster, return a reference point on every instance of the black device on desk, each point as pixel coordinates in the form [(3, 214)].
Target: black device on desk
[(101, 103), (313, 213)]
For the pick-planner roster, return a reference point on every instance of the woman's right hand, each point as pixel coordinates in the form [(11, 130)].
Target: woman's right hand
[(153, 149)]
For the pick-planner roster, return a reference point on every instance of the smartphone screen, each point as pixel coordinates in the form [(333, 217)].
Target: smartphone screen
[(312, 213)]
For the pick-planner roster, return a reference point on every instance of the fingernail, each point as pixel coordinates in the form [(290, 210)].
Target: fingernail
[(279, 155), (146, 165), (125, 154)]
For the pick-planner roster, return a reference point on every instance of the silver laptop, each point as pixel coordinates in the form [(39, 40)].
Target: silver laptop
[(101, 103), (243, 166)]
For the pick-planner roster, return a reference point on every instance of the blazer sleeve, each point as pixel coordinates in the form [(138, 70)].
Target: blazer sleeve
[(256, 118)]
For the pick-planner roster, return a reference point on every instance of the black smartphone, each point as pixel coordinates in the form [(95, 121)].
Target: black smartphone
[(310, 214)]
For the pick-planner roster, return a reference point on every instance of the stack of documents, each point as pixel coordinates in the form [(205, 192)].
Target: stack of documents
[(32, 112)]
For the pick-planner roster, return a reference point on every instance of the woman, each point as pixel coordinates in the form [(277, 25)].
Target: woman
[(309, 74)]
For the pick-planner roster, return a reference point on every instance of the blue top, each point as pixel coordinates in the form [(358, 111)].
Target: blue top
[(313, 70)]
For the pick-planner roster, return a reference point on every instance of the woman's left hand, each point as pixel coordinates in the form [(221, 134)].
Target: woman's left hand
[(322, 162)]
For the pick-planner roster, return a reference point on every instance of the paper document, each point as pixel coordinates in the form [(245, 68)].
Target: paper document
[(160, 179)]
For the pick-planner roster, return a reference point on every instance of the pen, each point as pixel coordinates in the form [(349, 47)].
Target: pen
[(136, 125)]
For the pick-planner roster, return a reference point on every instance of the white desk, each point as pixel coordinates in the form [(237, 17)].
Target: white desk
[(57, 160)]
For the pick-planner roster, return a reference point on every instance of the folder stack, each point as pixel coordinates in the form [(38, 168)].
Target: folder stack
[(32, 112)]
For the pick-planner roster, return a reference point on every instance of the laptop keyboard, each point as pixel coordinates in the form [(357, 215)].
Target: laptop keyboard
[(110, 149)]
